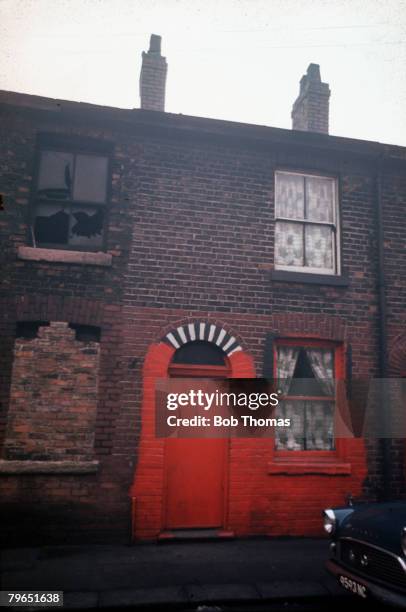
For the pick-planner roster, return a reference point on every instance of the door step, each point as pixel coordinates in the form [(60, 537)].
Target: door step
[(177, 535)]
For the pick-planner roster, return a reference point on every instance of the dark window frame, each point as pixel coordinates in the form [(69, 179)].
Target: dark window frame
[(74, 145)]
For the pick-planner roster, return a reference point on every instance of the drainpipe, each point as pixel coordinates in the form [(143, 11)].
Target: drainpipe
[(382, 332)]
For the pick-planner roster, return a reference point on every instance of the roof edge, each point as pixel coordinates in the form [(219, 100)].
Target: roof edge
[(219, 127)]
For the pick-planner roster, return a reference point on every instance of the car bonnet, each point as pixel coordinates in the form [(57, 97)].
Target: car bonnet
[(378, 524)]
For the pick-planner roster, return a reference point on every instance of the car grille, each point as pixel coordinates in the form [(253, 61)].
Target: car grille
[(372, 562)]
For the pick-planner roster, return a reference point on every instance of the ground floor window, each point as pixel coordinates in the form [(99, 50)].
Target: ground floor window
[(306, 373)]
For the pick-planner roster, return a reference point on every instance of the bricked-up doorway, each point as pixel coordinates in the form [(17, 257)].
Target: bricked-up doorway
[(195, 473)]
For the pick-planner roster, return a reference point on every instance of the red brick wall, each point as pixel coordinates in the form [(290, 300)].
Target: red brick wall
[(262, 499), (191, 233)]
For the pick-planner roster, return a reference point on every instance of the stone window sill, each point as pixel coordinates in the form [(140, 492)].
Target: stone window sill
[(309, 278), (332, 468), (48, 467), (61, 256)]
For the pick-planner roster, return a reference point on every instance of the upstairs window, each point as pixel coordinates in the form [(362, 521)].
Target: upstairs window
[(69, 208), (306, 223)]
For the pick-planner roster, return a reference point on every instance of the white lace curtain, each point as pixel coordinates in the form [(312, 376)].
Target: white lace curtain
[(287, 360), (304, 199), (299, 197), (321, 361), (312, 421)]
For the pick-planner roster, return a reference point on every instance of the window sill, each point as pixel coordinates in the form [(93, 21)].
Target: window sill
[(309, 278), (48, 467), (332, 468), (63, 256)]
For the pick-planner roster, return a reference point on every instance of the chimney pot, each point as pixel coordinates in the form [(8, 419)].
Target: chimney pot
[(313, 72), (155, 44), (310, 112)]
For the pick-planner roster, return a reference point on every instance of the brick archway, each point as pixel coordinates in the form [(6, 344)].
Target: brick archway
[(201, 330), (148, 486)]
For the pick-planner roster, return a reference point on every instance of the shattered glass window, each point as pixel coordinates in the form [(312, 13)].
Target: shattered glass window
[(51, 224), (86, 226), (306, 223), (70, 197)]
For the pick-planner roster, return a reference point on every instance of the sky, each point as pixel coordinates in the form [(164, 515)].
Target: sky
[(239, 60)]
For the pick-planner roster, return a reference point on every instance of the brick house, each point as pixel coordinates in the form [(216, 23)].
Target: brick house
[(137, 245)]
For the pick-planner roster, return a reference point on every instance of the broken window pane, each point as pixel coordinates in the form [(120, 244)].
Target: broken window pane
[(55, 175), (86, 226), (64, 180), (90, 178), (51, 224)]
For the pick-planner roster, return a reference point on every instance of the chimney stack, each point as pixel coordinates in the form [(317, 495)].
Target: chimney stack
[(153, 76), (310, 110)]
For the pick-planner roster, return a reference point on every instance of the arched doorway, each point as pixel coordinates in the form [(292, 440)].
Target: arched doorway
[(148, 493), (195, 471)]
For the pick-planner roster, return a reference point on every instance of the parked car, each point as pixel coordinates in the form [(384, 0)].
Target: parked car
[(368, 550)]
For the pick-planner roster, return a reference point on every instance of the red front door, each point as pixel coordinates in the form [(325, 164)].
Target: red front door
[(195, 469), (195, 474)]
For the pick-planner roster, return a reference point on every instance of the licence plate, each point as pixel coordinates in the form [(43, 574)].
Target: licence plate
[(354, 587)]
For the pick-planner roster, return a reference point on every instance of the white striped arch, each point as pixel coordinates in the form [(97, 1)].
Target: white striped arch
[(201, 330)]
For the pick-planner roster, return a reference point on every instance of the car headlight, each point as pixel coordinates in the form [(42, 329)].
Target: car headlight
[(330, 521), (403, 540)]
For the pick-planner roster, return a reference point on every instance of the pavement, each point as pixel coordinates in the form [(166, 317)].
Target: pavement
[(177, 575)]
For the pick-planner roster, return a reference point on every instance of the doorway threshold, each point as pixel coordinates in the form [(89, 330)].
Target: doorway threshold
[(194, 535)]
